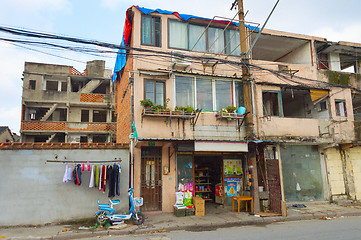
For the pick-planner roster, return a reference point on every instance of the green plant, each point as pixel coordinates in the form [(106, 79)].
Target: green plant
[(158, 108), (231, 109), (146, 103), (166, 103), (189, 109)]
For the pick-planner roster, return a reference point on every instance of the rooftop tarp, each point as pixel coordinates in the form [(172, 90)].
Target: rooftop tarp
[(121, 56)]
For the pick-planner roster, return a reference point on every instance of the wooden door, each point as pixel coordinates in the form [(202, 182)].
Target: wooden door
[(151, 178), (274, 185)]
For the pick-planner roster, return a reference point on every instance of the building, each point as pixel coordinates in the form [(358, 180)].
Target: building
[(61, 104), (6, 135), (287, 146)]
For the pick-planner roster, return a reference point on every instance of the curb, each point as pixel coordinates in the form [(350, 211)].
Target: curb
[(210, 226)]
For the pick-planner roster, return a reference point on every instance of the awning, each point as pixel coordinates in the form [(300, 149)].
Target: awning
[(210, 146), (318, 95)]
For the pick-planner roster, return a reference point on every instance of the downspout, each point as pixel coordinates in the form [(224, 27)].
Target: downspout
[(132, 139), (253, 108)]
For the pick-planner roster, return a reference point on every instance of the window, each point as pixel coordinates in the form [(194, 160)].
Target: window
[(341, 108), (178, 35), (151, 30), (195, 32), (208, 94), (84, 115), (204, 94), (52, 85), (155, 91), (32, 84), (232, 42), (99, 116), (323, 61), (271, 105), (64, 86), (184, 91), (99, 138), (215, 40), (223, 94), (83, 139), (183, 35)]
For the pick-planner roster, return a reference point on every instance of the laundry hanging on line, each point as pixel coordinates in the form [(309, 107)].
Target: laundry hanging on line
[(100, 176)]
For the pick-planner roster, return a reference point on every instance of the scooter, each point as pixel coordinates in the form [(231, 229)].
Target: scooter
[(107, 211)]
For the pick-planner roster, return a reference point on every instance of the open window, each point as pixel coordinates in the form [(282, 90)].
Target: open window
[(151, 34), (272, 103), (99, 116), (341, 108), (32, 84)]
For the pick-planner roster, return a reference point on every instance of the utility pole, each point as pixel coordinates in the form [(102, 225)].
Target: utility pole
[(247, 95), (247, 98)]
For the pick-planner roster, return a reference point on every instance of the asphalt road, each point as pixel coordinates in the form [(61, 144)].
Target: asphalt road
[(339, 228)]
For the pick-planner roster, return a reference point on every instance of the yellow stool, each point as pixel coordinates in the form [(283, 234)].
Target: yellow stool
[(242, 198)]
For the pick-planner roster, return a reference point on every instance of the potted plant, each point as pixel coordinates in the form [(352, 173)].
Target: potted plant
[(158, 108), (146, 103), (176, 111), (231, 109), (189, 109)]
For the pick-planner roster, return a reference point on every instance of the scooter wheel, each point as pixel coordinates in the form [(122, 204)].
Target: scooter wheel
[(138, 218), (101, 219)]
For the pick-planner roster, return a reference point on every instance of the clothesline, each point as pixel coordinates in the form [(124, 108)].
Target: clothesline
[(84, 161)]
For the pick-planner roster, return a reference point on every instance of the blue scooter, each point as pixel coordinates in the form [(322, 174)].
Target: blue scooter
[(107, 211)]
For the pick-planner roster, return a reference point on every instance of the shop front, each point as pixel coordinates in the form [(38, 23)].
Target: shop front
[(214, 171)]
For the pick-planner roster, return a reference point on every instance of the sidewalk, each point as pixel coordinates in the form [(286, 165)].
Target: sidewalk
[(214, 218)]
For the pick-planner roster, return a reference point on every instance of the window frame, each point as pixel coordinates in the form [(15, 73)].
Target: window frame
[(155, 89), (337, 110), (279, 100), (214, 94), (224, 50), (152, 30)]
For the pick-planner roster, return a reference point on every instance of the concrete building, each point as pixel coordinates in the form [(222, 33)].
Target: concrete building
[(61, 104), (6, 135), (283, 148)]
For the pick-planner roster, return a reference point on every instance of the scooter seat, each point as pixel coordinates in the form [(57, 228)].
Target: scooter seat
[(115, 201)]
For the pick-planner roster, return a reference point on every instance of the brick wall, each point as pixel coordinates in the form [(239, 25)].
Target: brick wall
[(123, 102)]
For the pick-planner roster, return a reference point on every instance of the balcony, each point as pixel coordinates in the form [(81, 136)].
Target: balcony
[(38, 126), (294, 127), (64, 97)]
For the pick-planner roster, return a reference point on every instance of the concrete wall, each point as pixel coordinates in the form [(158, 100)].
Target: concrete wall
[(355, 161), (335, 173), (33, 193), (301, 55)]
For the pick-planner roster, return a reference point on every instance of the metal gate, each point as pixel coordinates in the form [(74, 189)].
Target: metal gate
[(151, 178), (274, 185)]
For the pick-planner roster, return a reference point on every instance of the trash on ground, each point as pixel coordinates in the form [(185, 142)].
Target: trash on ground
[(64, 230), (84, 228)]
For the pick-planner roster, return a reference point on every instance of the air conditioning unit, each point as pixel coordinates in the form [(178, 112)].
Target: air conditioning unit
[(180, 59)]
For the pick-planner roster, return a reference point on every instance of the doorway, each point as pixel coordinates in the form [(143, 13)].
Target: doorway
[(151, 178), (207, 176)]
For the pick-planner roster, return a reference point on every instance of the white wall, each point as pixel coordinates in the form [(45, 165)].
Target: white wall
[(32, 192)]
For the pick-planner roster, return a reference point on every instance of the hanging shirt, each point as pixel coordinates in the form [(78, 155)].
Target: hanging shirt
[(96, 175), (100, 178), (92, 178), (118, 179), (104, 184), (65, 177), (70, 174)]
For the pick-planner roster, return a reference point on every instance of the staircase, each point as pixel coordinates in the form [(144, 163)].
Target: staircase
[(49, 112), (90, 86), (51, 138)]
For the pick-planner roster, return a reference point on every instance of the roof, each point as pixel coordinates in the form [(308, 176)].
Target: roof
[(3, 129)]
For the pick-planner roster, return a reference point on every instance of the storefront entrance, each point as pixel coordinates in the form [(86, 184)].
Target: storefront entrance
[(151, 178)]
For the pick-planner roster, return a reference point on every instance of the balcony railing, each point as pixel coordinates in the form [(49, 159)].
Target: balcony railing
[(67, 126)]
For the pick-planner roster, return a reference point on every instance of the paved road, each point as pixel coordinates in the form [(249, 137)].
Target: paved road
[(340, 229)]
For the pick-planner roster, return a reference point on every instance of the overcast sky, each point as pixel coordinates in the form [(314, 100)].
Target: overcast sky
[(104, 19)]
